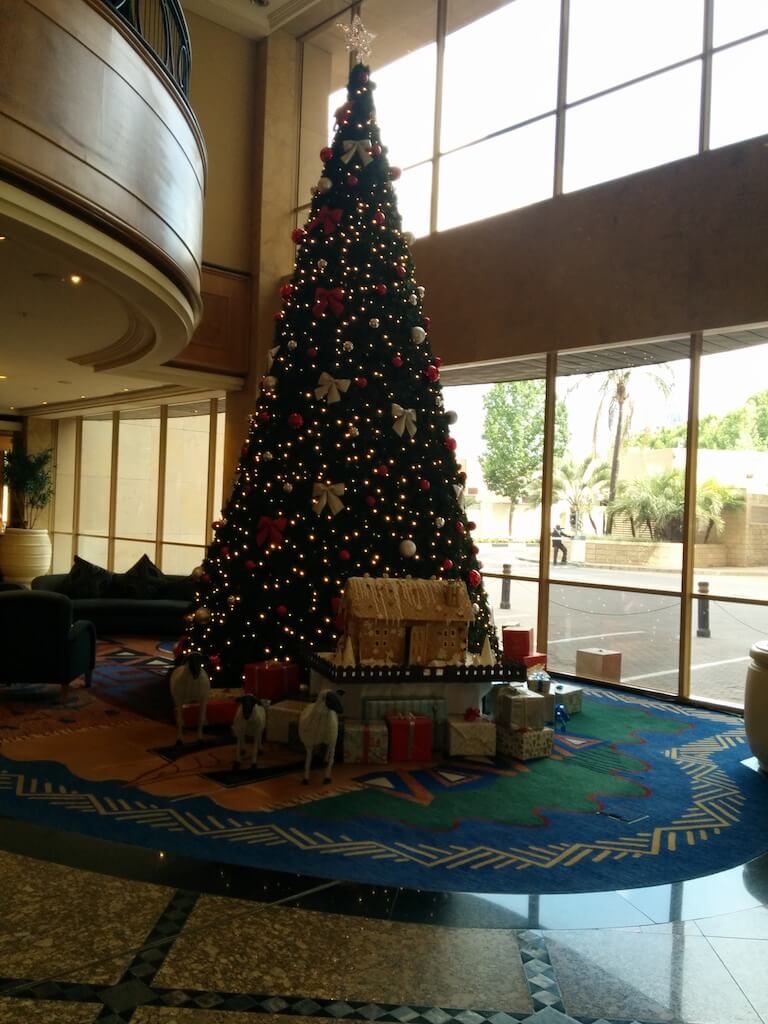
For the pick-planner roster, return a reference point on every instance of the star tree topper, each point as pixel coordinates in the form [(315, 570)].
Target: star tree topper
[(358, 39)]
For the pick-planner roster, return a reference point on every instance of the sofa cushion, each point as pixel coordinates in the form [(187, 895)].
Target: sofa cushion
[(142, 580), (179, 588), (85, 579)]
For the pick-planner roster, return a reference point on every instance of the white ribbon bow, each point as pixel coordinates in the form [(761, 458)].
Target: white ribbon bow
[(459, 494), (330, 388), (357, 147), (271, 356), (327, 494), (405, 419)]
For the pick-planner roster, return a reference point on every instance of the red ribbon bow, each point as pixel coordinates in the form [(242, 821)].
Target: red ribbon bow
[(472, 714), (327, 219), (270, 531), (325, 297)]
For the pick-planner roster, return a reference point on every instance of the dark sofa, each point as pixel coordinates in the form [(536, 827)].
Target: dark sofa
[(140, 601)]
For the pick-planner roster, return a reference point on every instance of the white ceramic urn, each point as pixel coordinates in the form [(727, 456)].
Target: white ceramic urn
[(756, 703)]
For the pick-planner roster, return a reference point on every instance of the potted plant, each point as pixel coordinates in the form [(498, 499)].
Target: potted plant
[(25, 551)]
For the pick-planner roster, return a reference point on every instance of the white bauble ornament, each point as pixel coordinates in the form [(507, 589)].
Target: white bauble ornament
[(439, 522), (418, 334), (475, 608), (291, 345), (354, 432), (231, 600), (407, 548), (373, 322), (222, 521), (347, 346), (270, 382), (322, 264), (413, 299), (288, 487), (203, 615), (451, 416), (197, 572), (324, 184), (421, 290), (268, 456)]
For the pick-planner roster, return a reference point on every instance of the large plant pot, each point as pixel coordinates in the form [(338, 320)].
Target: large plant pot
[(24, 554), (756, 703)]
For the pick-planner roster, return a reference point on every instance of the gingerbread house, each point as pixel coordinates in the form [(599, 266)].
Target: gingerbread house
[(405, 622)]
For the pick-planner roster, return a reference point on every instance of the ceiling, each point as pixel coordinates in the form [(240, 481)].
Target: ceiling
[(257, 18)]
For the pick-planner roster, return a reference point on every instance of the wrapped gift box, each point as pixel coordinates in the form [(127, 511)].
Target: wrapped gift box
[(523, 709), (471, 739), (410, 737), (365, 743), (539, 681), (218, 712), (599, 663), (516, 644), (534, 660), (279, 718), (569, 695), (435, 708), (524, 744), (271, 680)]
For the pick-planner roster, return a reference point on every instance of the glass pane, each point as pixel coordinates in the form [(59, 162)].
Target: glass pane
[(414, 193), (403, 66), (93, 549), (642, 629), (138, 454), (739, 88), (512, 602), (128, 552), (614, 41), (218, 497), (62, 552), (638, 127), (620, 467), (186, 473), (723, 633), (527, 152), (181, 560), (512, 54), (737, 18), (64, 503), (95, 472), (732, 469)]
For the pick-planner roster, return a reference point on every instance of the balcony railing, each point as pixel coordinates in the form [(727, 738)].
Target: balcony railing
[(161, 27)]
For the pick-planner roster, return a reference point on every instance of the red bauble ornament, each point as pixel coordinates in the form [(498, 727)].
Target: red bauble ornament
[(459, 526), (432, 373), (341, 113), (362, 382), (474, 578), (471, 525), (312, 352), (394, 173), (205, 578), (279, 316), (424, 485), (400, 270), (264, 416), (462, 476), (381, 289), (244, 450), (378, 217), (250, 565), (281, 610), (427, 321), (447, 564), (352, 180), (363, 77), (224, 552), (297, 235), (450, 444), (438, 360), (382, 470), (375, 149), (286, 291), (326, 153), (344, 555), (370, 501), (296, 420), (397, 360), (475, 549)]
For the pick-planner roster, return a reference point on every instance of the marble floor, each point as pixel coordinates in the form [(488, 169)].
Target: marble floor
[(97, 931)]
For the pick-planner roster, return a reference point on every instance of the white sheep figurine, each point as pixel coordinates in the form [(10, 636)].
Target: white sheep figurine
[(249, 723), (190, 684), (319, 724)]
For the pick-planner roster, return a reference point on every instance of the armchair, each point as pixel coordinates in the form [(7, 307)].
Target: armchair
[(39, 643)]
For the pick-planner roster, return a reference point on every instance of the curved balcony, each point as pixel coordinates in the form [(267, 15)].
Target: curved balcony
[(100, 149)]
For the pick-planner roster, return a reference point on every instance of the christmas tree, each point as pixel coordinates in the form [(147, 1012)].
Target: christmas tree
[(349, 468)]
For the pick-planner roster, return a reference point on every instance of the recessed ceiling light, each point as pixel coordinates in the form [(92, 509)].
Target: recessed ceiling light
[(3, 376), (75, 279), (2, 238), (126, 389)]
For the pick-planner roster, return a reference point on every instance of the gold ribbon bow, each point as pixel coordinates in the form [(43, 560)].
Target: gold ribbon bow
[(356, 147), (405, 419), (330, 388), (327, 494)]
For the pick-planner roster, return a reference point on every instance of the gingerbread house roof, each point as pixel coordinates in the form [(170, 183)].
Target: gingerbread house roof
[(415, 600)]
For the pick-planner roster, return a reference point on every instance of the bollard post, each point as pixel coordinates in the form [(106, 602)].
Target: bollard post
[(506, 570), (702, 625)]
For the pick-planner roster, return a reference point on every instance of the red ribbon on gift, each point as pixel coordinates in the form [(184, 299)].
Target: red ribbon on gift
[(329, 297), (471, 714), (327, 219), (270, 531)]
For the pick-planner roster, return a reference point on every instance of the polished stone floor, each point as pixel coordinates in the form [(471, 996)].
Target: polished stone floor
[(97, 931)]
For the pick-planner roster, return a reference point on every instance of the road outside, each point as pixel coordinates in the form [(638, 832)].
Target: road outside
[(643, 627)]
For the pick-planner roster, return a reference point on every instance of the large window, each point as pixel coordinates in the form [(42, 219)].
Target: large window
[(502, 104)]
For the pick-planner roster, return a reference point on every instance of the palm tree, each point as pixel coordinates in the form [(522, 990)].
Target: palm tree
[(712, 500), (583, 485)]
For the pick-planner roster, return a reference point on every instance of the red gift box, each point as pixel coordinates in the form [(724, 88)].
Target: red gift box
[(218, 712), (516, 643), (410, 738), (534, 659), (271, 680)]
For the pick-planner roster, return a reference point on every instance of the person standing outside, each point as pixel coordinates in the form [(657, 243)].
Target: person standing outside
[(557, 544)]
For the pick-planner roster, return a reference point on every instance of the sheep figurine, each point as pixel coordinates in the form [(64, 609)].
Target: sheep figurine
[(319, 723), (249, 723), (190, 684)]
